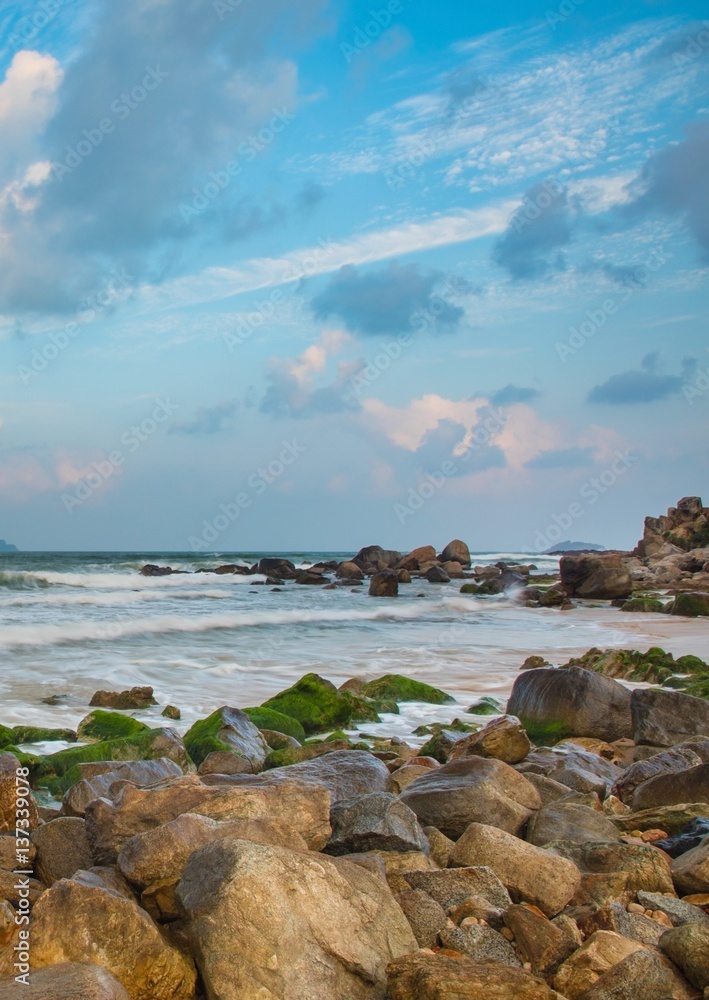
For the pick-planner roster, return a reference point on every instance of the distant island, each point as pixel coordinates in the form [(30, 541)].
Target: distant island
[(574, 547), (7, 547)]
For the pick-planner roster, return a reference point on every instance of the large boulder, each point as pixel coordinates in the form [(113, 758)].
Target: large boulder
[(600, 576), (227, 729), (643, 867), (554, 704), (378, 821), (456, 551), (688, 947), (62, 849), (385, 584), (573, 766), (667, 762), (472, 790), (568, 820), (692, 604), (345, 774), (112, 822), (306, 926), (502, 739), (76, 920), (316, 703), (691, 785), (135, 697), (423, 976), (93, 780), (664, 718), (69, 981), (451, 887), (690, 871), (15, 794), (375, 555), (530, 874), (640, 976), (418, 558), (599, 953), (537, 939)]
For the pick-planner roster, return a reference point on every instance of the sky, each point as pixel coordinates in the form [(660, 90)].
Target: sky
[(287, 277)]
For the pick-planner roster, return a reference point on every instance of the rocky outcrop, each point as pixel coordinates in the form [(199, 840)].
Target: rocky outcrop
[(684, 527), (600, 576), (456, 551)]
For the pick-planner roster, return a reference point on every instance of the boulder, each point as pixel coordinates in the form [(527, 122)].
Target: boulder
[(436, 574), (554, 704), (378, 821), (690, 834), (426, 917), (375, 555), (472, 790), (11, 785), (110, 823), (70, 981), (306, 926), (531, 875), (573, 766), (417, 558), (451, 887), (384, 584), (595, 576), (423, 976), (690, 871), (74, 921), (398, 864), (396, 687), (688, 947), (640, 976), (645, 867), (691, 785), (277, 567), (315, 703), (481, 943), (456, 551), (227, 729), (345, 774), (537, 939), (225, 762), (691, 604), (599, 953), (664, 718), (667, 762), (453, 569), (502, 739), (685, 527), (135, 697), (349, 571), (92, 781), (572, 821), (677, 910), (101, 725), (62, 849)]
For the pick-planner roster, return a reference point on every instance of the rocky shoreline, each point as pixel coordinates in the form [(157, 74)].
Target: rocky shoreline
[(553, 848)]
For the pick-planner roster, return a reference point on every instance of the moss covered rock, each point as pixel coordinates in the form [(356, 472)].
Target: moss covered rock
[(470, 588), (36, 734), (315, 703), (653, 667), (227, 729), (487, 706), (643, 604), (102, 725), (58, 771), (399, 688), (268, 718), (691, 605), (295, 755), (7, 737)]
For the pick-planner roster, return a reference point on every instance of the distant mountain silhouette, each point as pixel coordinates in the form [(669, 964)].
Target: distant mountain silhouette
[(574, 547), (6, 547)]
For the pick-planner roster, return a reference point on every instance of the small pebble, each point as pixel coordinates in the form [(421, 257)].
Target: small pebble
[(635, 908), (507, 933)]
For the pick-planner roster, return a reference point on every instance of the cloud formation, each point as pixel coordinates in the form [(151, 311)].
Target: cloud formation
[(387, 300), (643, 385), (293, 390), (541, 226), (512, 394), (208, 419)]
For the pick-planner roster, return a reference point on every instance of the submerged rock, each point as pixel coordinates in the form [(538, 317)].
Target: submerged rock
[(384, 584), (135, 697)]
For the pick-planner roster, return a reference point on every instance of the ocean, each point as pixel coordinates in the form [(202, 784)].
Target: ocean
[(73, 623)]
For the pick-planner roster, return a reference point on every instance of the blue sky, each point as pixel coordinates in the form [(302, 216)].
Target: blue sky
[(277, 277)]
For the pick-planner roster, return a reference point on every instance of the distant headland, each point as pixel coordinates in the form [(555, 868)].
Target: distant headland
[(7, 547)]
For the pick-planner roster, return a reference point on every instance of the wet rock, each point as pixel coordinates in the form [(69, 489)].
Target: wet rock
[(691, 604), (569, 821), (456, 551), (688, 947), (73, 921), (396, 687), (62, 849), (224, 762), (691, 785), (318, 705), (665, 718), (136, 697), (378, 821), (418, 558), (554, 704), (95, 779), (10, 800), (276, 566), (531, 875), (690, 871), (375, 555), (426, 917), (384, 584), (349, 571), (171, 712), (466, 791), (69, 981), (423, 976), (678, 911), (150, 569), (436, 574), (574, 767), (403, 776), (306, 926), (667, 762), (638, 977), (691, 835), (502, 739), (599, 576), (227, 729)]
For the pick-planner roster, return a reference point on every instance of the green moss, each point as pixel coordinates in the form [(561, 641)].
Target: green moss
[(58, 771), (546, 734), (295, 755), (400, 688), (456, 726), (7, 737), (101, 725), (644, 604), (203, 737), (653, 667), (486, 706), (699, 686), (315, 703), (35, 734), (30, 760), (470, 588), (361, 709), (691, 605), (267, 718)]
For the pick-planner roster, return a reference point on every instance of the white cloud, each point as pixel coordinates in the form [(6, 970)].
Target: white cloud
[(28, 97)]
